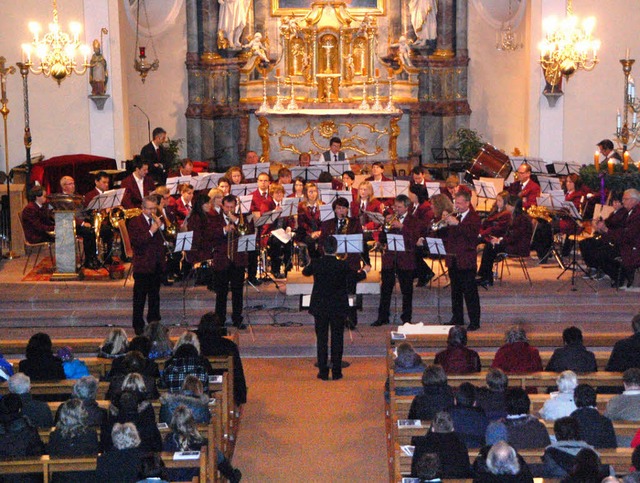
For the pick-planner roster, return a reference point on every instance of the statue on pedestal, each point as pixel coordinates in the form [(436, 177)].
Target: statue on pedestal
[(423, 19), (98, 75), (257, 48), (232, 20)]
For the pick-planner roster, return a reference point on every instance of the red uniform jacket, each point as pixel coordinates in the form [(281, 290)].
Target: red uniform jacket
[(148, 250), (221, 260), (460, 242), (132, 198), (423, 213), (529, 194), (517, 239), (495, 224), (406, 260), (258, 200), (615, 225), (284, 223), (203, 237), (37, 221), (181, 211), (328, 228), (630, 239), (90, 195), (308, 222), (374, 206)]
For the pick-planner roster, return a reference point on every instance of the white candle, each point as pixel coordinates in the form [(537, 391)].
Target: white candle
[(635, 119), (618, 120), (627, 53)]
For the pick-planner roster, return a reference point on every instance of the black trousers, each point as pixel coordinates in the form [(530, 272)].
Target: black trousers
[(232, 277), (542, 238), (405, 279), (464, 290), (352, 282), (335, 324), (252, 267), (423, 271), (595, 251), (88, 241), (280, 253), (488, 257), (146, 286)]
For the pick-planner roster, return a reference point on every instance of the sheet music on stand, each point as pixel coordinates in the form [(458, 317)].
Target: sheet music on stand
[(484, 189), (184, 241), (329, 196), (436, 246), (395, 242), (552, 200), (384, 189), (251, 171), (565, 168), (402, 187), (350, 243), (295, 201), (572, 210), (288, 188), (324, 186), (206, 181), (548, 184), (326, 213), (247, 243), (268, 218), (374, 216), (243, 189), (288, 209), (337, 168), (537, 165), (245, 203), (108, 199), (433, 188), (310, 173), (602, 211), (174, 182), (517, 161)]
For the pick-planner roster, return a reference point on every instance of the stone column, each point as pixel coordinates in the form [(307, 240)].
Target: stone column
[(462, 19), (446, 28)]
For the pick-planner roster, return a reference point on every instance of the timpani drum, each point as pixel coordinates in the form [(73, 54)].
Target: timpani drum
[(490, 163)]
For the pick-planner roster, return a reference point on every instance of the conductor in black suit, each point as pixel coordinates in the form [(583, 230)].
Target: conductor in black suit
[(157, 156), (329, 306)]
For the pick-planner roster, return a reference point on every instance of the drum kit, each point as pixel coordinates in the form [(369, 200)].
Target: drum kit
[(490, 163)]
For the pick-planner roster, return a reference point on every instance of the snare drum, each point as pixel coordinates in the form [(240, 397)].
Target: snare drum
[(490, 163)]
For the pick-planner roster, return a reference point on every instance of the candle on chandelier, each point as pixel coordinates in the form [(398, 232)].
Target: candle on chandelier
[(277, 72), (625, 160), (618, 120), (596, 161), (610, 165), (627, 56)]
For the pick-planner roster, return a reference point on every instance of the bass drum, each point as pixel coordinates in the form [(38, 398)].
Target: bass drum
[(490, 163)]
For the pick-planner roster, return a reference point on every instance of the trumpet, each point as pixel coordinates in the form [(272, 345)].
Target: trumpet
[(243, 228), (443, 223), (388, 225)]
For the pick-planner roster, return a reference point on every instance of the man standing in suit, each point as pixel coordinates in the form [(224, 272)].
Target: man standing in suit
[(460, 240), (137, 185), (329, 306), (157, 156), (148, 262), (606, 149), (260, 198), (37, 219), (333, 154)]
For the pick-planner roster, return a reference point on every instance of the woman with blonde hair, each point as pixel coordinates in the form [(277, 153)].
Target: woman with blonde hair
[(308, 230), (215, 197), (186, 360), (115, 344), (366, 202), (158, 335)]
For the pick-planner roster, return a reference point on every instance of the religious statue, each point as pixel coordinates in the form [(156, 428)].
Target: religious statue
[(423, 19), (232, 19), (404, 51), (257, 48), (98, 75)]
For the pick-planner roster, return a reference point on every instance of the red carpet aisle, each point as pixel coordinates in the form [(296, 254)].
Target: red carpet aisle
[(296, 428)]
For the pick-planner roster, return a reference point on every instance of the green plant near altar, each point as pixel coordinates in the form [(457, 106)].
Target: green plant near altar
[(467, 141), (618, 181), (173, 147)]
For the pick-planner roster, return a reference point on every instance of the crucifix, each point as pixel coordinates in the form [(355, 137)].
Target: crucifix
[(328, 45)]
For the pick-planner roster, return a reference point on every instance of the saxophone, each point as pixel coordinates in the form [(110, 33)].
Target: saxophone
[(343, 231)]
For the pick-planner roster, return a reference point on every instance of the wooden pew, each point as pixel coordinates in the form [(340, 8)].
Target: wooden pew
[(47, 465), (80, 345), (619, 458)]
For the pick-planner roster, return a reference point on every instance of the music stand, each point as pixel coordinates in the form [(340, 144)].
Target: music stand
[(184, 242), (247, 243), (288, 188), (433, 188), (353, 243), (395, 243), (565, 168), (384, 189), (245, 203), (243, 189), (326, 213), (206, 181), (337, 168), (485, 190), (548, 183), (537, 165), (251, 171), (436, 246), (402, 187), (574, 266), (309, 173)]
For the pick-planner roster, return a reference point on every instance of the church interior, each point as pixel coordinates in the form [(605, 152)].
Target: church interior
[(398, 81)]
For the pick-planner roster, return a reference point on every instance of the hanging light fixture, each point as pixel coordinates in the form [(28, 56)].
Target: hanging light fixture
[(568, 46), (506, 38), (140, 62), (56, 50)]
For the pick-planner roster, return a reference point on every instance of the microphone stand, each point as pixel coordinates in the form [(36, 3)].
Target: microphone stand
[(148, 121)]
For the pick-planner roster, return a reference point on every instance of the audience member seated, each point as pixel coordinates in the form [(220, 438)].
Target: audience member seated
[(469, 421), (152, 469), (38, 412), (442, 440), (626, 406), (73, 368), (457, 358), (560, 457), (436, 395), (122, 462), (595, 429), (133, 363), (492, 398), (41, 364), (158, 335), (18, 437), (131, 407), (73, 437), (140, 344), (192, 396), (115, 344), (516, 355), (523, 430), (501, 463), (428, 468), (211, 334), (587, 469), (407, 361), (6, 369), (86, 390), (634, 476), (186, 360), (626, 352), (573, 356), (561, 403), (184, 436)]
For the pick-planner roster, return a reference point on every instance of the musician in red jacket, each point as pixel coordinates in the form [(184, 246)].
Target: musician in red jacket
[(515, 241), (259, 197), (148, 262), (423, 212), (137, 185), (377, 172), (229, 264), (184, 203), (37, 219), (525, 187), (308, 230), (460, 237), (396, 263), (101, 181), (279, 252)]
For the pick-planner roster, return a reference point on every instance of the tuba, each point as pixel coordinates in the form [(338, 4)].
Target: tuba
[(118, 213)]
